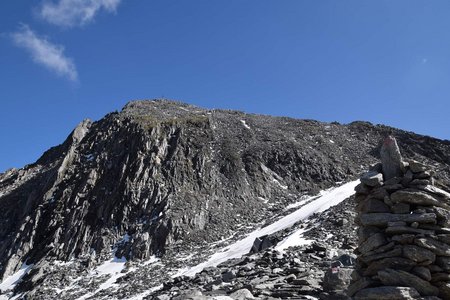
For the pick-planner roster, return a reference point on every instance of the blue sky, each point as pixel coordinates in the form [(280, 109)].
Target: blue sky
[(65, 60)]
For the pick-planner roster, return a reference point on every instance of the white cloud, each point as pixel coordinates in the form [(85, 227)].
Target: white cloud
[(45, 53), (69, 13)]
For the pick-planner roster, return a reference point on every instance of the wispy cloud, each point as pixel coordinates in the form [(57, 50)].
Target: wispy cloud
[(45, 53), (69, 13)]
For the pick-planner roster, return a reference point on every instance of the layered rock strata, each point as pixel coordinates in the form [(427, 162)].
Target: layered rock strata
[(404, 233)]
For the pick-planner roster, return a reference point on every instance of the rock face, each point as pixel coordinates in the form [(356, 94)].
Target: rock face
[(163, 176), (400, 253)]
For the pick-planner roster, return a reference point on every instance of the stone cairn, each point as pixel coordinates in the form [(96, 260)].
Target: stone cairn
[(404, 232)]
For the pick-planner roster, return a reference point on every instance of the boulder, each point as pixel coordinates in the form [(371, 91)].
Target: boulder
[(403, 238), (419, 254), (417, 167), (401, 208), (262, 243), (392, 253), (396, 230), (397, 263), (372, 179), (242, 294), (443, 216), (373, 206), (373, 242), (443, 262), (444, 290), (413, 196), (387, 293), (337, 279), (392, 277), (422, 272), (382, 219), (358, 285), (437, 247)]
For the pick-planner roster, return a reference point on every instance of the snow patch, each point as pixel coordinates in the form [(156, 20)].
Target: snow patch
[(284, 187), (126, 238), (264, 200), (89, 157), (113, 268), (293, 240), (245, 124), (11, 281), (153, 259), (146, 293)]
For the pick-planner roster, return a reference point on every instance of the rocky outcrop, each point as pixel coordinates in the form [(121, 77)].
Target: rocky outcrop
[(404, 223)]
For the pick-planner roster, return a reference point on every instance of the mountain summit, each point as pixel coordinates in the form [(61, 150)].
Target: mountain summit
[(162, 177)]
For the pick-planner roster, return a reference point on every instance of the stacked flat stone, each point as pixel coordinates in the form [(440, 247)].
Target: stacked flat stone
[(404, 233)]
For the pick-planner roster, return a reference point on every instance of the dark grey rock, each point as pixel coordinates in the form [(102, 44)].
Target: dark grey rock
[(416, 197), (382, 219), (373, 206), (387, 293), (437, 247), (337, 279), (401, 208), (390, 277), (417, 167), (422, 272), (375, 241), (419, 254), (391, 158), (372, 179), (396, 263)]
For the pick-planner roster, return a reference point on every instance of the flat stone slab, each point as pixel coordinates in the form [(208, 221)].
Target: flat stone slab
[(396, 263), (392, 277), (439, 248), (388, 293), (418, 254), (382, 219), (372, 178), (417, 167), (413, 196), (373, 242), (396, 230)]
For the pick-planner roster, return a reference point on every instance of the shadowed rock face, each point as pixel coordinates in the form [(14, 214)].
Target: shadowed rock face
[(165, 175)]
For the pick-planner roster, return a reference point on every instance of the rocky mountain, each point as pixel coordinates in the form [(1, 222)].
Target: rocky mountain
[(161, 185)]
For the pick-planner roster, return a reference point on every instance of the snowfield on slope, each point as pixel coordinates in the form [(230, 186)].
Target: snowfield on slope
[(324, 201)]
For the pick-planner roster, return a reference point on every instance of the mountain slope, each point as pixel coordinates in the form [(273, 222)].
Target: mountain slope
[(162, 176)]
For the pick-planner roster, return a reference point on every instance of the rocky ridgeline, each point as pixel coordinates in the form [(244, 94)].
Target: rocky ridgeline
[(160, 178), (404, 234)]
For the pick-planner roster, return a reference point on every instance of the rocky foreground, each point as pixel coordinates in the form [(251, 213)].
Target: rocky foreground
[(321, 268)]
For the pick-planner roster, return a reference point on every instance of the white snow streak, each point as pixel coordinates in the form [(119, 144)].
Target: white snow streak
[(295, 239), (329, 198), (11, 281), (112, 267), (245, 124)]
